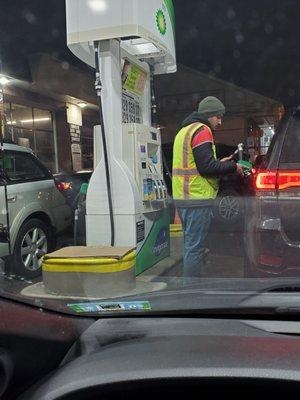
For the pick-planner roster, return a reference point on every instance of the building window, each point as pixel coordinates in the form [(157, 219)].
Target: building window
[(87, 147), (32, 127)]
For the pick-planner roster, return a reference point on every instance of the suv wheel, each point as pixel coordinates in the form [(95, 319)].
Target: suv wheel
[(33, 241), (228, 208)]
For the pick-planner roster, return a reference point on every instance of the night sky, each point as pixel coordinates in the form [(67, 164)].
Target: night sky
[(254, 44)]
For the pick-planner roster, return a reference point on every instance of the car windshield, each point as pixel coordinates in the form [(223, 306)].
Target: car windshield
[(150, 156)]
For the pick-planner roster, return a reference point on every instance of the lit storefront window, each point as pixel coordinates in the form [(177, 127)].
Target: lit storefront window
[(32, 127)]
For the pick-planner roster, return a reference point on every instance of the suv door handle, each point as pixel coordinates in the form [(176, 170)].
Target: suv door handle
[(12, 199)]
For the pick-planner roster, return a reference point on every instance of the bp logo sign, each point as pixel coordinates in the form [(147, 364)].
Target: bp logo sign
[(161, 22)]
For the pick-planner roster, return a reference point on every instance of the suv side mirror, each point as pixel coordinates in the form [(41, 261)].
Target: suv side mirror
[(259, 160), (2, 177), (4, 237)]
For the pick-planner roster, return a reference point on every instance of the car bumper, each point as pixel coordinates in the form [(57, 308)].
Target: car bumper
[(269, 251)]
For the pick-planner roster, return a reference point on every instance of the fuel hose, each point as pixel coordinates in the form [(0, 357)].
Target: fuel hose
[(153, 98), (98, 87)]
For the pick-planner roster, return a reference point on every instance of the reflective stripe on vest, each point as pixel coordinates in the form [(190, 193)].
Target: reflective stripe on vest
[(187, 182), (184, 172)]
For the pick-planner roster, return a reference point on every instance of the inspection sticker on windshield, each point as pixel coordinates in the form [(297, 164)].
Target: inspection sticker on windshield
[(110, 306)]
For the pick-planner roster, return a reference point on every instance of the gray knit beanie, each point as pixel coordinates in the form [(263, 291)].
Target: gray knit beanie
[(210, 107)]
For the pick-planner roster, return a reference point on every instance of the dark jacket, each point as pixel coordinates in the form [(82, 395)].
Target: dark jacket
[(206, 164)]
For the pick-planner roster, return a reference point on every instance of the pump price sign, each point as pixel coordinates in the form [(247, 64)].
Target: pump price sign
[(131, 111)]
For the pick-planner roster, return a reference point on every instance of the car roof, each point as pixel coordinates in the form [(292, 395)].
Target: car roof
[(15, 147), (74, 173)]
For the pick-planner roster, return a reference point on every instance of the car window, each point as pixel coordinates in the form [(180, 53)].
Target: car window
[(20, 167), (149, 164), (194, 170), (291, 147)]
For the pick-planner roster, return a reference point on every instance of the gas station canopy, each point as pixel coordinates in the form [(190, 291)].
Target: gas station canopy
[(146, 29)]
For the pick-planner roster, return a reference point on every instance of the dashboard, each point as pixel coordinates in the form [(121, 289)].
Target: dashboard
[(73, 358)]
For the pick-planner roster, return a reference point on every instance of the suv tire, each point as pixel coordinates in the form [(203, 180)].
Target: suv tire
[(34, 239), (229, 207)]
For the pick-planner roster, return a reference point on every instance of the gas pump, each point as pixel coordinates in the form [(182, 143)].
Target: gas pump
[(127, 42)]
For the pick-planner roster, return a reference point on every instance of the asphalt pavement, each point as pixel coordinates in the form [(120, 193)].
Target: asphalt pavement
[(225, 260)]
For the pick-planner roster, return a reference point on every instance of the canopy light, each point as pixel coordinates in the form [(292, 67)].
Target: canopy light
[(98, 5), (142, 48), (25, 121), (82, 104), (3, 80)]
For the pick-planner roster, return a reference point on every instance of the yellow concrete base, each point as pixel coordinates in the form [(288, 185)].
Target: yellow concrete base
[(87, 275)]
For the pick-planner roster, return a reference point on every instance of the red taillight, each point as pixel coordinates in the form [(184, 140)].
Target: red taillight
[(266, 180), (287, 179), (62, 186), (272, 180)]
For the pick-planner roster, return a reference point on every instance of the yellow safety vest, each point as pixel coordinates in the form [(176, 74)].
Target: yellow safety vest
[(187, 183)]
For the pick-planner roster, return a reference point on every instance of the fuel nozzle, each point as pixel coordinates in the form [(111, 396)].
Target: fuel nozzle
[(240, 149), (244, 163)]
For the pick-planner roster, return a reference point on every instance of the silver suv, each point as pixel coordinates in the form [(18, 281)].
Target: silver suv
[(37, 211)]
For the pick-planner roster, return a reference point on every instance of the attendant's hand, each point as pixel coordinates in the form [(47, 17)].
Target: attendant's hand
[(227, 158)]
